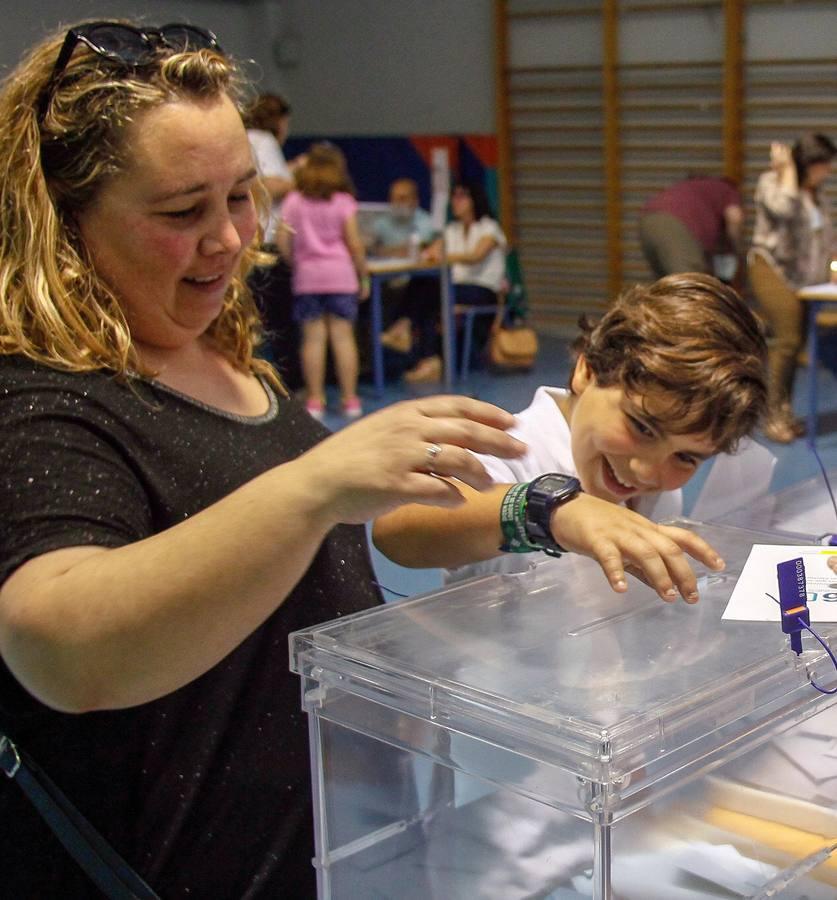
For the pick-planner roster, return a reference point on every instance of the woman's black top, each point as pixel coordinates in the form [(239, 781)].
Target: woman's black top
[(205, 792)]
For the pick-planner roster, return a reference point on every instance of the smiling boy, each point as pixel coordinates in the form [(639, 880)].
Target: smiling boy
[(672, 374)]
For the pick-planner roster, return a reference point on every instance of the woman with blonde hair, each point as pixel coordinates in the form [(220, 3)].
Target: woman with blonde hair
[(170, 514)]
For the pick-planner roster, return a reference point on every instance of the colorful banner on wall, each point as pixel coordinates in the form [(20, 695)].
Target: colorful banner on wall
[(375, 162)]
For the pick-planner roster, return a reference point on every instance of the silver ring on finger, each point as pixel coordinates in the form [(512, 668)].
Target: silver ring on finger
[(432, 451)]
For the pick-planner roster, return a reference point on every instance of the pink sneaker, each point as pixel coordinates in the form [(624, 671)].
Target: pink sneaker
[(352, 408), (316, 408)]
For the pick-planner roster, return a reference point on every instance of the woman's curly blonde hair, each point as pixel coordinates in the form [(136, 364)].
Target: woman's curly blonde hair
[(54, 308)]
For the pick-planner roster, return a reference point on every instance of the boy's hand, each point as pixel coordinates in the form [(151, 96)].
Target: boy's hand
[(624, 541)]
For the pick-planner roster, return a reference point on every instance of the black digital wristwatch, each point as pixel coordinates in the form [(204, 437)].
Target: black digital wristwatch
[(542, 496)]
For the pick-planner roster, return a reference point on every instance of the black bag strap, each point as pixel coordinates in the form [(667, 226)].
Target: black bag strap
[(105, 867)]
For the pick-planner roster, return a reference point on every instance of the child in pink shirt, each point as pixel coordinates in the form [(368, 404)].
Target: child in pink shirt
[(318, 235)]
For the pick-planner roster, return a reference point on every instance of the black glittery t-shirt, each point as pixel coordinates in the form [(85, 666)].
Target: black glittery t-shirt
[(205, 792)]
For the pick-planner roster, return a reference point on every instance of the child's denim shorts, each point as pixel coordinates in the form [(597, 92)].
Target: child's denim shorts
[(315, 306)]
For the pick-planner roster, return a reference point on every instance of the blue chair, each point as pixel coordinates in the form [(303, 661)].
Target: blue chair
[(469, 313), (512, 300)]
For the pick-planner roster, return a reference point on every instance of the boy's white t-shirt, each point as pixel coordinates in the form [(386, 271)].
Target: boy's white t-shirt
[(543, 428)]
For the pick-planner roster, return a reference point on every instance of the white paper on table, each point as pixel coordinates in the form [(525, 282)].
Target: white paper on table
[(389, 262), (749, 600), (826, 290)]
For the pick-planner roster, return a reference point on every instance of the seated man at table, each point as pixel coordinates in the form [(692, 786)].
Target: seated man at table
[(402, 232), (406, 227)]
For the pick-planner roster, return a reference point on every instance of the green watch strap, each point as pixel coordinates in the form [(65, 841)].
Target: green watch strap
[(513, 521)]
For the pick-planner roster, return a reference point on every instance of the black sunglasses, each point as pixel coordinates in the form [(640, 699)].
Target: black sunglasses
[(129, 46)]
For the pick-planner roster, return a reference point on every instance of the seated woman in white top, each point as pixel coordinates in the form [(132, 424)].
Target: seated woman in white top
[(476, 246), (476, 251)]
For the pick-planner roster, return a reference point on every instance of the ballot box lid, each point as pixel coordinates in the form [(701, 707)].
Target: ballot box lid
[(554, 666)]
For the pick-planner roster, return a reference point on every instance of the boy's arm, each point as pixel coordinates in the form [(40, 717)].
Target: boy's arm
[(415, 537), (617, 538)]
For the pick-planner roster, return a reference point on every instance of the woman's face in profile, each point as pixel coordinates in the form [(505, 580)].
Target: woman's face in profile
[(167, 233), (461, 203)]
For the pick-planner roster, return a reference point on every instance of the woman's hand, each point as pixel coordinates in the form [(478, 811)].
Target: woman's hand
[(193, 592), (625, 541), (393, 456), (780, 156)]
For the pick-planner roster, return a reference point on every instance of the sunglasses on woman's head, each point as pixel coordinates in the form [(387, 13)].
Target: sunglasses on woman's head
[(126, 45)]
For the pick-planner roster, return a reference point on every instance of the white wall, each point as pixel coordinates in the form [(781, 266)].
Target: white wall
[(373, 67), (391, 66), (354, 67), (25, 22)]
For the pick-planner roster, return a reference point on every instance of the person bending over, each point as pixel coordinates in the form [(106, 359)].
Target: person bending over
[(684, 226)]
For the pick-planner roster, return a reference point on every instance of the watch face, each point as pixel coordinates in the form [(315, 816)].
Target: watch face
[(545, 493), (549, 483)]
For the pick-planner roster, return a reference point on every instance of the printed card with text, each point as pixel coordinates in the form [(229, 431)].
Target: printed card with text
[(750, 600)]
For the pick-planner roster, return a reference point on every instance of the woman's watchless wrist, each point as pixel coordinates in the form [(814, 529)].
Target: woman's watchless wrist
[(302, 482)]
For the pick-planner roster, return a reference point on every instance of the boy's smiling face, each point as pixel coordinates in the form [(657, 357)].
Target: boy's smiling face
[(620, 443)]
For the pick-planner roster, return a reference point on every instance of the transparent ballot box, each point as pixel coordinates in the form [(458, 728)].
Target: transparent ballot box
[(538, 735), (805, 508)]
